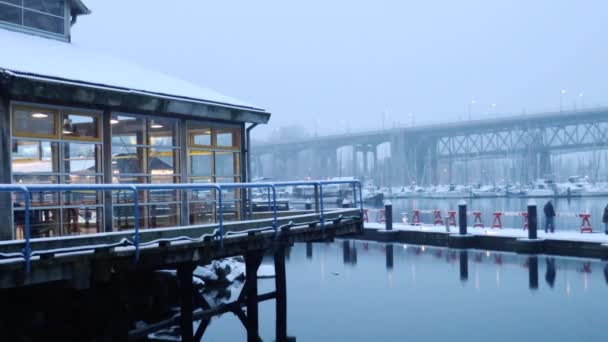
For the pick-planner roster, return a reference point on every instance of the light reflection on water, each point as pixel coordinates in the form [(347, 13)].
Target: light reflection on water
[(363, 291)]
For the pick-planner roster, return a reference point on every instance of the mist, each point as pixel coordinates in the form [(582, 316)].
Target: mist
[(329, 67)]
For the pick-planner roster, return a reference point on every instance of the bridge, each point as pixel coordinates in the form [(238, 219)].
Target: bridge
[(110, 262), (425, 153)]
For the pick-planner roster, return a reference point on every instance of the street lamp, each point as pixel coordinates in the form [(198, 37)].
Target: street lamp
[(470, 105), (581, 97), (561, 99)]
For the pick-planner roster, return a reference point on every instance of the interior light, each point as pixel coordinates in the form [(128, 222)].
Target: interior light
[(67, 126), (155, 124), (113, 121), (40, 115)]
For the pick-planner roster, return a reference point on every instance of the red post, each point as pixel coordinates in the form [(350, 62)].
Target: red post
[(365, 217), (416, 217), (585, 224), (477, 221), (438, 219), (525, 216), (381, 217), (497, 220), (452, 218)]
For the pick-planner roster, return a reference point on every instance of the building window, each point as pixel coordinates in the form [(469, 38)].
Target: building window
[(56, 146), (145, 150), (40, 15), (213, 157)]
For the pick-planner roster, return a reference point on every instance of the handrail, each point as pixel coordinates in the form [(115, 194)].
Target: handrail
[(27, 189)]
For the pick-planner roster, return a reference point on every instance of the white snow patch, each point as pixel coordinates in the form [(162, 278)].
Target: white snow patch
[(204, 273), (505, 232), (38, 56)]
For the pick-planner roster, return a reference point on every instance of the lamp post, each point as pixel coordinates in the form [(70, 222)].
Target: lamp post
[(581, 97), (470, 105), (561, 99)]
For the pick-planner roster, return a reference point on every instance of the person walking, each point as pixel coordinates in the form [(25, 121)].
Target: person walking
[(549, 217), (605, 219)]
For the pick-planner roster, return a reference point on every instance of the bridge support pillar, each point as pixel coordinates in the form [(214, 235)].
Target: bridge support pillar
[(355, 162), (544, 164)]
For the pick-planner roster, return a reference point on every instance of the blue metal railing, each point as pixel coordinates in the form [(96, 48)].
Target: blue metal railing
[(28, 189)]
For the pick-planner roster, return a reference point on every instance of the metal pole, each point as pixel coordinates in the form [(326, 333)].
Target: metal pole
[(462, 217), (532, 220), (281, 299), (388, 214)]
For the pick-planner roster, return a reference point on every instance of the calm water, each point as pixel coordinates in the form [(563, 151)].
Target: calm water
[(593, 205), (355, 291)]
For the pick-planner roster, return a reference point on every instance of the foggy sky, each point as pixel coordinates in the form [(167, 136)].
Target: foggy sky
[(340, 64)]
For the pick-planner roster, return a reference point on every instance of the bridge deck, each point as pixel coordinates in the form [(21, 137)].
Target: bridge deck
[(80, 260)]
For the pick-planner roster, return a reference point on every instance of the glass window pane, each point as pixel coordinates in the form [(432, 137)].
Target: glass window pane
[(14, 2), (34, 156), (127, 160), (43, 223), (85, 220), (34, 123), (228, 137), (199, 133), (82, 197), (201, 163), (43, 22), (80, 126), (163, 195), (226, 163), (10, 14), (81, 159), (55, 7), (123, 217), (162, 161), (201, 212), (127, 130), (163, 215), (37, 198), (163, 132)]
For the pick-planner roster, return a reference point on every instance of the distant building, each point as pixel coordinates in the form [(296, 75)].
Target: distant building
[(72, 116)]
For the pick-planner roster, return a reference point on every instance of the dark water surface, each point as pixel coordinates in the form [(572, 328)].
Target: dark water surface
[(363, 291)]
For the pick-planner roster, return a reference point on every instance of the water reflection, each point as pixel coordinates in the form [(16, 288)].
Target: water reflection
[(403, 279), (550, 273), (464, 265), (533, 272), (389, 257)]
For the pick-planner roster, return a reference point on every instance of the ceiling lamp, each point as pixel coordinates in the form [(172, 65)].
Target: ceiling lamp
[(113, 121), (155, 124), (40, 116)]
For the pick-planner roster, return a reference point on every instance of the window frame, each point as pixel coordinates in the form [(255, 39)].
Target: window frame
[(47, 34)]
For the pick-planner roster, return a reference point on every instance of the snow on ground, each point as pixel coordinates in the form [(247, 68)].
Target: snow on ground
[(505, 232)]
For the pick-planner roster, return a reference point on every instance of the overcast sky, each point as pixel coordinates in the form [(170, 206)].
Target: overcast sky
[(356, 64)]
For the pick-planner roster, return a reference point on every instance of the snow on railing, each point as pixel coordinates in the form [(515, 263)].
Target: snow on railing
[(218, 188)]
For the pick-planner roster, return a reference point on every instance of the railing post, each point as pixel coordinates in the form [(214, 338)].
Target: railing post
[(388, 214), (275, 224), (27, 251), (316, 186), (322, 215), (532, 220), (136, 221), (221, 214), (462, 217)]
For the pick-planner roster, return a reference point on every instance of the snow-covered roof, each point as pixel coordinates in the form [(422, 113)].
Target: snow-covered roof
[(36, 57)]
